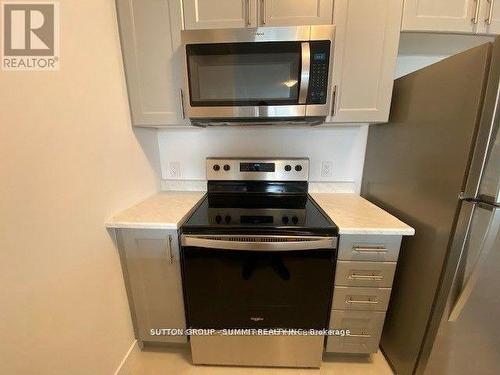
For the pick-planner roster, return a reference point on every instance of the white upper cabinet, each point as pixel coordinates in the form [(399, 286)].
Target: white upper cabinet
[(219, 14), (215, 14), (452, 16), (150, 38), (366, 47), (365, 50), (295, 12), (458, 16), (489, 17)]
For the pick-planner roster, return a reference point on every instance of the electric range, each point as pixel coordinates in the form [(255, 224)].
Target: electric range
[(258, 253)]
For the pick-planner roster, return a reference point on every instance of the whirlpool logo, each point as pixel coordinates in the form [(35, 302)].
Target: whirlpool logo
[(30, 35), (256, 318)]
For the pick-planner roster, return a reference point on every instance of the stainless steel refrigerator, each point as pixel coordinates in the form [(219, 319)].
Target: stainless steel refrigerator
[(436, 166)]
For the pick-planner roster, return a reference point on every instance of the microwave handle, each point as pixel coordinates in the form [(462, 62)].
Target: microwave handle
[(305, 72)]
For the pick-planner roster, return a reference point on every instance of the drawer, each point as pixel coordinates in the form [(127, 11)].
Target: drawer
[(365, 330), (371, 274), (356, 298), (378, 248)]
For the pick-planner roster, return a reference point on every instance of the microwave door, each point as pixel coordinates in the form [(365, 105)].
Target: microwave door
[(248, 80)]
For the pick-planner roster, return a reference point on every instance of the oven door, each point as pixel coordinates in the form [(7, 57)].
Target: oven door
[(242, 281)]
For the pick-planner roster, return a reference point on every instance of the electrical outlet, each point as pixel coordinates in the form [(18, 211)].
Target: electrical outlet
[(174, 169), (326, 169)]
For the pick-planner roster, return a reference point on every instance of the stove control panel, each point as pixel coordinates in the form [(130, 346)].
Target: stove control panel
[(256, 216), (267, 169)]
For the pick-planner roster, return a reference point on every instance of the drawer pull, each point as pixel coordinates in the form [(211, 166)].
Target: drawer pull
[(361, 302), (362, 335), (365, 277), (378, 250)]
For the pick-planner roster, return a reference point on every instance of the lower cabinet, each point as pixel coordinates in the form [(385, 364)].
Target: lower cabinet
[(374, 274), (369, 299), (363, 282), (151, 268), (365, 330)]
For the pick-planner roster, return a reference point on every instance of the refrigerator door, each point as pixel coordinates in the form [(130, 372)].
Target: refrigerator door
[(467, 342), (489, 189), (463, 262), (488, 199), (467, 331), (416, 167)]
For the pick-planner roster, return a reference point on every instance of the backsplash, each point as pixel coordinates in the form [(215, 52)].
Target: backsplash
[(336, 153)]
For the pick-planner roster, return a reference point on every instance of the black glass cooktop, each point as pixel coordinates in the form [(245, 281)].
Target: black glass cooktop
[(246, 212)]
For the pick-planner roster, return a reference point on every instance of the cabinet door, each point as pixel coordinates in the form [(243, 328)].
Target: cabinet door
[(365, 52), (441, 15), (365, 330), (150, 37), (217, 14), (295, 12), (489, 17), (151, 263)]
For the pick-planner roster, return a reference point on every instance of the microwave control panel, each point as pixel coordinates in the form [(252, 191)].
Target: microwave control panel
[(318, 76)]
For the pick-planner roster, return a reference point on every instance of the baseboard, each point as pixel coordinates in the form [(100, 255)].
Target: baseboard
[(127, 364)]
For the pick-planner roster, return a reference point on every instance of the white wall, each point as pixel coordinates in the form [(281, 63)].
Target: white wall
[(343, 146), (68, 160)]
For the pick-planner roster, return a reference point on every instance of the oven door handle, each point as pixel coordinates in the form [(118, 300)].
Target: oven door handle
[(305, 72), (259, 243)]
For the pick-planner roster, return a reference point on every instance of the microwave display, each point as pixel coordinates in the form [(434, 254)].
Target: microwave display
[(320, 56)]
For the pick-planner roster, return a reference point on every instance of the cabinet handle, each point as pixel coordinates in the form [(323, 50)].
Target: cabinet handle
[(263, 11), (170, 253), (379, 250), (490, 12), (361, 302), (476, 13), (365, 277), (181, 94), (334, 101), (247, 12), (364, 336)]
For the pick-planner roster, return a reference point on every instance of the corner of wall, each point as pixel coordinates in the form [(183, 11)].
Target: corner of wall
[(128, 362)]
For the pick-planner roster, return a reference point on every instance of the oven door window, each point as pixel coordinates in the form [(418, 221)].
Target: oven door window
[(257, 289), (244, 74)]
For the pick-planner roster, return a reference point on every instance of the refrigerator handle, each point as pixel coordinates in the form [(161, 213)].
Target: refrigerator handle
[(483, 201), (487, 245)]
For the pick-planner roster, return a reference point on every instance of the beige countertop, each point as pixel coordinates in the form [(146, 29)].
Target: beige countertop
[(352, 213), (164, 210), (355, 215)]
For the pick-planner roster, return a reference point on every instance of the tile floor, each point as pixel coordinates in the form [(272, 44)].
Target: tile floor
[(177, 360)]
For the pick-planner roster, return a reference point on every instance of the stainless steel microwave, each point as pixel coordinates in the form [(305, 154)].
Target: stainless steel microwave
[(258, 75)]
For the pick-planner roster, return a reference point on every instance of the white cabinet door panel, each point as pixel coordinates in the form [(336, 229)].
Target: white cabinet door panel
[(366, 47), (295, 12), (441, 15), (218, 14), (150, 38), (489, 17), (151, 264)]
